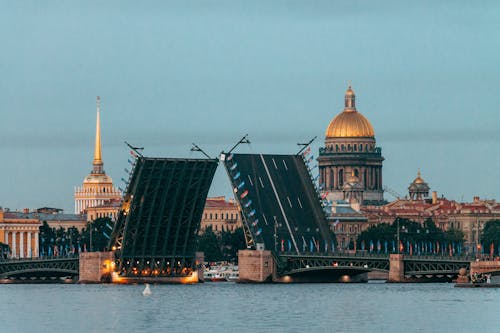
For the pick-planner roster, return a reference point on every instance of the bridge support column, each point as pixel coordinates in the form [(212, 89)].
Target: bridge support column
[(255, 266), (396, 268), (96, 267)]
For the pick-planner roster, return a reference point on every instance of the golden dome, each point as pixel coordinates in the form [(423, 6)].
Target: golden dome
[(419, 179), (350, 123)]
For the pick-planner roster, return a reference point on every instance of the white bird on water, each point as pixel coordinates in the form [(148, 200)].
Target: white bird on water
[(147, 290)]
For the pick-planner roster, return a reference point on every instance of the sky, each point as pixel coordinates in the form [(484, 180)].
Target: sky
[(426, 74)]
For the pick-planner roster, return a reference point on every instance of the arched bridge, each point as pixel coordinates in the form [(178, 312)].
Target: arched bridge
[(39, 268), (407, 268)]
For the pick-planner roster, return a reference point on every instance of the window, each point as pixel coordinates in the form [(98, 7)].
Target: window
[(210, 215), (216, 216)]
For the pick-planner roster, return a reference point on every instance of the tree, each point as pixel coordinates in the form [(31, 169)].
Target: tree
[(95, 235), (4, 250), (491, 235), (231, 243), (209, 243)]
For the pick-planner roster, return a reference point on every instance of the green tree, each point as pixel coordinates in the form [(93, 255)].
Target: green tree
[(4, 250), (231, 243), (210, 244), (96, 234), (491, 235)]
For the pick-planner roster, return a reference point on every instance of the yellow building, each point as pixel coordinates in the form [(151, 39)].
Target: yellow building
[(108, 209), (21, 232), (221, 215), (97, 188)]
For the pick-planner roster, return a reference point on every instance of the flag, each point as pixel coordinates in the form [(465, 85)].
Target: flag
[(289, 245), (133, 153), (311, 246), (304, 245), (333, 246), (282, 245), (411, 249), (385, 246), (326, 246), (371, 246), (379, 246), (363, 245), (492, 249), (393, 246)]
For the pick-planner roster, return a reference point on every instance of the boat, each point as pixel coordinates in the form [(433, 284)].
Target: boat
[(221, 273)]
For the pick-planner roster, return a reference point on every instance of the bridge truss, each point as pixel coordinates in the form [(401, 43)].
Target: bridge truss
[(29, 268), (155, 234)]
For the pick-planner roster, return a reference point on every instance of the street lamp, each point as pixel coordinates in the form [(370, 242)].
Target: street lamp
[(196, 148), (244, 139)]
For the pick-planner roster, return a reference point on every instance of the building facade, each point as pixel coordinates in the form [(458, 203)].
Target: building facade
[(21, 233), (97, 188), (469, 217), (220, 215), (350, 163)]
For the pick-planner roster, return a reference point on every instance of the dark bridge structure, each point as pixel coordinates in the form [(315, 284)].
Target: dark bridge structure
[(280, 206), (42, 268), (155, 234)]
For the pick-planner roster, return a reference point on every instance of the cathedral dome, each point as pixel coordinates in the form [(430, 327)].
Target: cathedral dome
[(350, 123)]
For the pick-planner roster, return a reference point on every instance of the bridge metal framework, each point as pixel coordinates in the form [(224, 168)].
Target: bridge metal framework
[(155, 234), (294, 264), (279, 202), (48, 267), (428, 265)]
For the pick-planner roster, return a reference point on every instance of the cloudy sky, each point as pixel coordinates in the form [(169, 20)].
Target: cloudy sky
[(426, 74)]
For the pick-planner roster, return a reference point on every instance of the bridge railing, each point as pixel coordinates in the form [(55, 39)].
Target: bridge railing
[(69, 256)]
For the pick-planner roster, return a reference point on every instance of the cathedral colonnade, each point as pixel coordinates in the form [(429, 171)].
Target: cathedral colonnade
[(23, 243)]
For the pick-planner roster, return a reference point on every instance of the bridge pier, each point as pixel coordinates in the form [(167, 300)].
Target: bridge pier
[(96, 267), (396, 268), (255, 266)]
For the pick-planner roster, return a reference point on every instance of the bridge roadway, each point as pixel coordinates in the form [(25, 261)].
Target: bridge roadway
[(30, 268)]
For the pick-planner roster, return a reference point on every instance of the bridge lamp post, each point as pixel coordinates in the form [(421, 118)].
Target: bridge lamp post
[(399, 243), (244, 139)]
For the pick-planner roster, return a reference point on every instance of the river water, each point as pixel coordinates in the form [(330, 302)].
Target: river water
[(230, 307)]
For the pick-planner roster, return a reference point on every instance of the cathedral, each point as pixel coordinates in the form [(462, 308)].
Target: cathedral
[(97, 189), (350, 163)]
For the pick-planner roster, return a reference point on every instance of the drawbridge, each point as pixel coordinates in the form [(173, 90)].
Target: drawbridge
[(155, 234), (279, 203)]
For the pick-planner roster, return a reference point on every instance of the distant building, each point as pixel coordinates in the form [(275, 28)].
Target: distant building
[(470, 218), (20, 232), (347, 223), (350, 163), (97, 188), (221, 215), (109, 209)]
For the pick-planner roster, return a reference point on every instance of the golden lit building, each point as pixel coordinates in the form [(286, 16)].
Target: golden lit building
[(97, 188), (221, 215), (109, 209), (350, 163), (21, 232)]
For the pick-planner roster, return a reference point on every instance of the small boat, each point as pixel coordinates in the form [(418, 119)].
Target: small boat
[(147, 290)]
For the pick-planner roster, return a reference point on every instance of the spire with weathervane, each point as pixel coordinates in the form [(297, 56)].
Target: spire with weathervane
[(97, 189), (97, 164)]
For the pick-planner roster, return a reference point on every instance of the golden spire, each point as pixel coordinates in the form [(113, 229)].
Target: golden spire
[(97, 150)]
